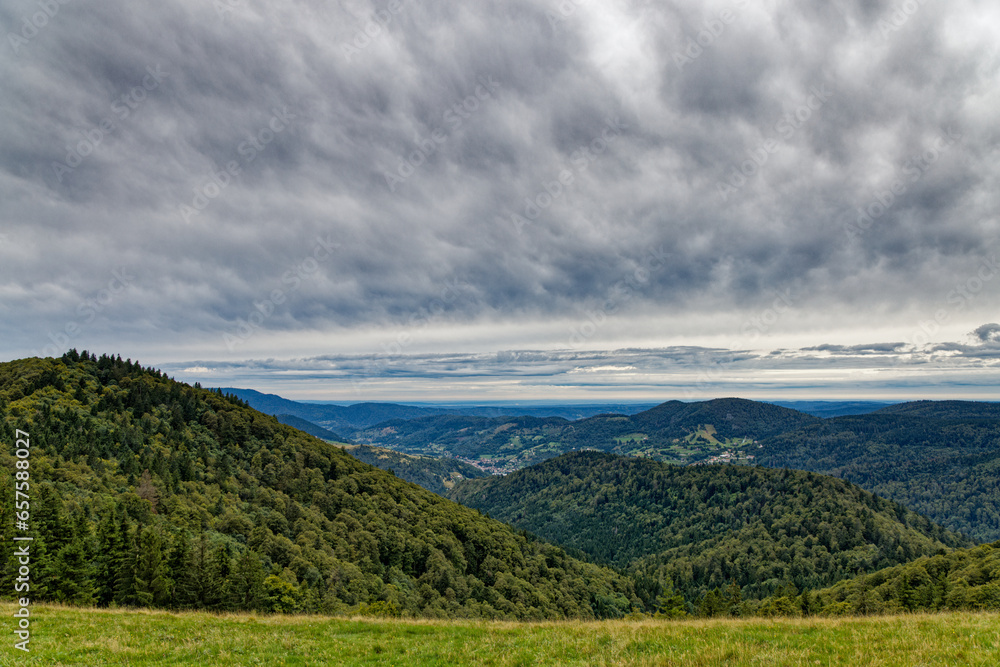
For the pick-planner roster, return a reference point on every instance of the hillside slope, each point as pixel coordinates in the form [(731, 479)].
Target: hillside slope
[(314, 430), (148, 492), (731, 417), (965, 579), (941, 459), (434, 474), (708, 526), (945, 409)]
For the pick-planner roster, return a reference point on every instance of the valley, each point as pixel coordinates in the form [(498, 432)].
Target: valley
[(155, 494)]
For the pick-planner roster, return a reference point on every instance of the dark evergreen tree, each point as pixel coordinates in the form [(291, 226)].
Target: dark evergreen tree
[(247, 581), (152, 581)]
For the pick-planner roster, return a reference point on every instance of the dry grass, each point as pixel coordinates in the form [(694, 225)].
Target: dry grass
[(72, 636)]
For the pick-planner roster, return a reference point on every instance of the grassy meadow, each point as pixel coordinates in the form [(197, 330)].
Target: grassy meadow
[(75, 636)]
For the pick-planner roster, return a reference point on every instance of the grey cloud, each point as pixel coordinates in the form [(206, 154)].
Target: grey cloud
[(988, 333), (654, 184), (873, 348)]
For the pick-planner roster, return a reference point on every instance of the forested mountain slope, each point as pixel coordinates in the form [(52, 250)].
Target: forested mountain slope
[(945, 409), (731, 417), (145, 491), (941, 459), (962, 579), (708, 526), (435, 474)]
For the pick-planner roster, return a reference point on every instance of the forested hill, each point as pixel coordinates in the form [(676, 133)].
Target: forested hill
[(945, 410), (708, 526), (731, 417), (149, 492), (941, 459), (962, 579), (310, 428)]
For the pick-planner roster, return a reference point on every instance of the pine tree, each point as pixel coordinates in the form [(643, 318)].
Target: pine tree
[(72, 569), (734, 598), (670, 603), (247, 581), (205, 582), (152, 582), (125, 576), (220, 568), (179, 564), (110, 557)]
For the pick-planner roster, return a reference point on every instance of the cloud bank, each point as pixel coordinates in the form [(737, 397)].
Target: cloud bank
[(241, 179)]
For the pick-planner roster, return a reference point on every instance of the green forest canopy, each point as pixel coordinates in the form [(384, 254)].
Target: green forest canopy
[(145, 491), (704, 527)]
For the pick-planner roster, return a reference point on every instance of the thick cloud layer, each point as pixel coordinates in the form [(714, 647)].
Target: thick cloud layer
[(218, 181)]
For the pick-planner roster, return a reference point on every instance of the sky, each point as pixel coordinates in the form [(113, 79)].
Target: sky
[(525, 200)]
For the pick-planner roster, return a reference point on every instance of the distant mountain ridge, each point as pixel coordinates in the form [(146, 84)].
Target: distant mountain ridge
[(826, 409), (336, 418), (945, 409), (672, 431), (310, 428), (346, 419)]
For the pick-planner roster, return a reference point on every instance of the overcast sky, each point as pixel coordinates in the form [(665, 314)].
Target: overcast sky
[(518, 200)]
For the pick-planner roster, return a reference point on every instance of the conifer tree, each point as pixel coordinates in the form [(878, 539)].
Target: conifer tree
[(179, 564), (247, 581), (124, 585), (107, 560), (152, 582)]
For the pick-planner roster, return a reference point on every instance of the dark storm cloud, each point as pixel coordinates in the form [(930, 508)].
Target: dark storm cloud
[(534, 154)]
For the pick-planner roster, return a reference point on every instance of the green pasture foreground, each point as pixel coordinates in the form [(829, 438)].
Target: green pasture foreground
[(72, 636)]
